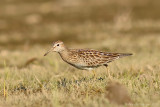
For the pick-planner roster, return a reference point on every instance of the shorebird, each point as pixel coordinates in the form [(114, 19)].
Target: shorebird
[(84, 59)]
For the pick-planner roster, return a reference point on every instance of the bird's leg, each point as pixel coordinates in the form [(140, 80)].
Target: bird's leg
[(108, 72), (94, 73)]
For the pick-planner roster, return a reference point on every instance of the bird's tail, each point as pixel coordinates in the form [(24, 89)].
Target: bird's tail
[(113, 56), (124, 54)]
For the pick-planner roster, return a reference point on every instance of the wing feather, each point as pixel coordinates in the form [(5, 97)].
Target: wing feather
[(97, 58)]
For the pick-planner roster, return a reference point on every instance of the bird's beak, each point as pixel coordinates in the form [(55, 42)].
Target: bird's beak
[(48, 51)]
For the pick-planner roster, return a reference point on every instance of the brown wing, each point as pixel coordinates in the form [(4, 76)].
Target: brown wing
[(97, 58)]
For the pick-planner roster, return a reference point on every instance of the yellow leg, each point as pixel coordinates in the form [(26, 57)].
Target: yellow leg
[(108, 72), (94, 73)]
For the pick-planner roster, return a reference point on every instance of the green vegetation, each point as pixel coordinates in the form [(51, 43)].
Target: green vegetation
[(28, 28)]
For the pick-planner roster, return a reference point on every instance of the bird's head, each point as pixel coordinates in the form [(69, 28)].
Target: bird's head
[(57, 46)]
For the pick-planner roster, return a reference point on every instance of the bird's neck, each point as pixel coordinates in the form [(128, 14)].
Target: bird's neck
[(64, 54)]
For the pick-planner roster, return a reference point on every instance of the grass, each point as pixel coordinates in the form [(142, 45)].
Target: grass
[(29, 79), (48, 81)]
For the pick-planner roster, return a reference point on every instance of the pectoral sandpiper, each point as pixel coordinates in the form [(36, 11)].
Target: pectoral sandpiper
[(84, 59)]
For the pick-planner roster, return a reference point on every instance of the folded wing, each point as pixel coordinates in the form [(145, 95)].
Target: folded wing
[(98, 58)]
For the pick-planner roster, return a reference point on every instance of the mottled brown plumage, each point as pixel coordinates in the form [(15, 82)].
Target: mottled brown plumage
[(85, 59)]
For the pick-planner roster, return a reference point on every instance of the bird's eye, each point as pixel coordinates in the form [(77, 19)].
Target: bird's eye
[(57, 44)]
